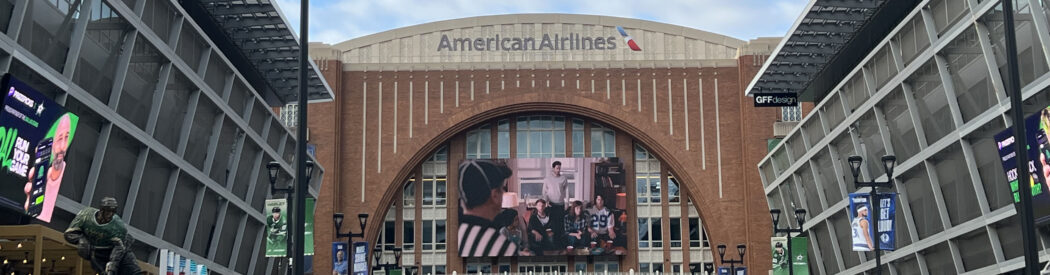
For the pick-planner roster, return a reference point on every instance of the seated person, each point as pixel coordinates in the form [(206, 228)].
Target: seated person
[(541, 232), (576, 224), (602, 221)]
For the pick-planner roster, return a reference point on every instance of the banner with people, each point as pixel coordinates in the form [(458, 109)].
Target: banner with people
[(862, 222), (340, 258), (35, 135), (276, 227), (542, 206), (798, 257), (1037, 133)]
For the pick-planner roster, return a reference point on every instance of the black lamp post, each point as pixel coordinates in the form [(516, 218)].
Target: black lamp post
[(377, 254), (800, 217), (732, 263), (337, 218), (888, 163)]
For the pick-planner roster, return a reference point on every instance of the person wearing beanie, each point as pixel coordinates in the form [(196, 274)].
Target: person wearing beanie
[(481, 187)]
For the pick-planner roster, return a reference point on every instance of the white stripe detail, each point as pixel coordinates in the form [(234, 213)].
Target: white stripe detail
[(607, 89), (654, 99), (685, 108), (623, 91), (469, 244), (426, 102), (364, 136), (457, 93), (703, 137), (379, 134), (411, 108), (639, 86), (395, 117), (482, 246), (500, 244), (718, 141), (441, 98), (670, 110)]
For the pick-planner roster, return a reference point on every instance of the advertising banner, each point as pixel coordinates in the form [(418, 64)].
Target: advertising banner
[(360, 258), (276, 227), (1037, 131), (863, 225), (35, 135), (547, 206), (172, 263), (800, 255), (340, 258), (780, 255), (308, 235)]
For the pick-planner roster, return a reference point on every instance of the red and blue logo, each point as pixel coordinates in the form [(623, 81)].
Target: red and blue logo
[(628, 39)]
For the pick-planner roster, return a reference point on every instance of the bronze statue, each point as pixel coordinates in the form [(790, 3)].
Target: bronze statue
[(102, 239)]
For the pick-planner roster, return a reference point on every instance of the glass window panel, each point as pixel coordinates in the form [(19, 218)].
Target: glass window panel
[(559, 143), (503, 139), (882, 67), (48, 34), (654, 187), (969, 73), (577, 138), (672, 190), (523, 143), (990, 168), (676, 232), (810, 189), (609, 137), (643, 232), (956, 185), (1030, 54), (828, 180), (833, 111), (871, 144), (136, 100), (191, 48), (104, 40), (913, 39), (899, 123), (855, 91), (158, 15), (844, 146), (410, 193), (428, 233), (932, 102), (657, 232), (813, 130), (976, 250), (441, 191), (408, 235), (920, 197), (428, 191), (6, 9), (536, 144), (946, 13), (439, 231)]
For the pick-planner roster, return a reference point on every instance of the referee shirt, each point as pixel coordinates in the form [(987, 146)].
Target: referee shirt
[(477, 238)]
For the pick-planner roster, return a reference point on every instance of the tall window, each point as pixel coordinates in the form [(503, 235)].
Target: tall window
[(389, 235), (408, 236), (650, 232), (695, 230), (676, 232), (647, 176), (409, 193), (577, 138), (541, 136), (503, 138), (434, 235), (603, 141), (672, 190), (434, 174), (479, 143)]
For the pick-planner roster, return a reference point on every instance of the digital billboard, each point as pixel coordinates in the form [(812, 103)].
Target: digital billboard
[(542, 207), (35, 135), (1037, 130)]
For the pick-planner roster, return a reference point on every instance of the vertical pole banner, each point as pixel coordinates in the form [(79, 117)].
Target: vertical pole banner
[(276, 227), (800, 255), (308, 244), (339, 261), (360, 258), (863, 226), (780, 255)]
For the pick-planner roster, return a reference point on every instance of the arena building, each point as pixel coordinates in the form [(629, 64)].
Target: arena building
[(923, 81), (665, 101), (173, 99)]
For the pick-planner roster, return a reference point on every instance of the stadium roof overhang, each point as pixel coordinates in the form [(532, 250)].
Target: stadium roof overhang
[(827, 41), (256, 38)]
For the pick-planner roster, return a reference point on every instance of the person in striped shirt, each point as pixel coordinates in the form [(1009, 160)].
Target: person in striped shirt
[(481, 187)]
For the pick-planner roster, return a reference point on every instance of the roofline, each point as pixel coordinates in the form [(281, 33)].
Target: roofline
[(313, 65), (442, 25), (776, 51)]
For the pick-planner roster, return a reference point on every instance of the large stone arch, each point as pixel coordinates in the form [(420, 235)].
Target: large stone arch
[(723, 216)]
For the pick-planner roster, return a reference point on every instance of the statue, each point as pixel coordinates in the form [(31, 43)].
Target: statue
[(102, 239)]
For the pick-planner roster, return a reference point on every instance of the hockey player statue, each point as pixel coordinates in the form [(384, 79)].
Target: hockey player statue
[(102, 239)]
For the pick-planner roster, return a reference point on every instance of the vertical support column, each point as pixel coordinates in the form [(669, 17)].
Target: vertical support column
[(237, 242), (96, 163), (625, 148), (158, 98), (165, 210), (217, 231), (665, 218), (38, 252), (456, 153), (136, 183), (18, 18), (79, 32), (123, 62), (191, 227)]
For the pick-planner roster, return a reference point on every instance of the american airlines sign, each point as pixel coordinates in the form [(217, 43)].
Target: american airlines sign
[(547, 42)]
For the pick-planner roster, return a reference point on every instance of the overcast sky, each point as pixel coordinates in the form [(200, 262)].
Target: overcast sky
[(334, 21)]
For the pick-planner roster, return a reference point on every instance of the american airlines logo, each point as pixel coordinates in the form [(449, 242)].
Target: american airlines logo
[(546, 42)]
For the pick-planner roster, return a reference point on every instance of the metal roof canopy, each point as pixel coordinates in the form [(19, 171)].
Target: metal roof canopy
[(825, 44), (255, 37)]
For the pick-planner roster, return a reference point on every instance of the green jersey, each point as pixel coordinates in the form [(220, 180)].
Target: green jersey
[(99, 235), (779, 259), (278, 228)]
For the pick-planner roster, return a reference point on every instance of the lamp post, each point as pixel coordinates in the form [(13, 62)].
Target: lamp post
[(273, 171), (377, 254), (732, 263), (362, 219), (800, 217), (888, 163)]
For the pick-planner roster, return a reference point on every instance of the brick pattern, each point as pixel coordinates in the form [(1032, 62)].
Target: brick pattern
[(364, 173)]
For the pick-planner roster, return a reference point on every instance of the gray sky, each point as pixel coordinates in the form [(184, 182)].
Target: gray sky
[(334, 21)]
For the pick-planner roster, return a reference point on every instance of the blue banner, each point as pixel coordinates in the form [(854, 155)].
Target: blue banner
[(360, 258), (863, 226), (340, 262)]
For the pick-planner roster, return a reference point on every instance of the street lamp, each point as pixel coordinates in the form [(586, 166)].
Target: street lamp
[(888, 163), (740, 248), (800, 217), (377, 254), (362, 219), (274, 169)]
